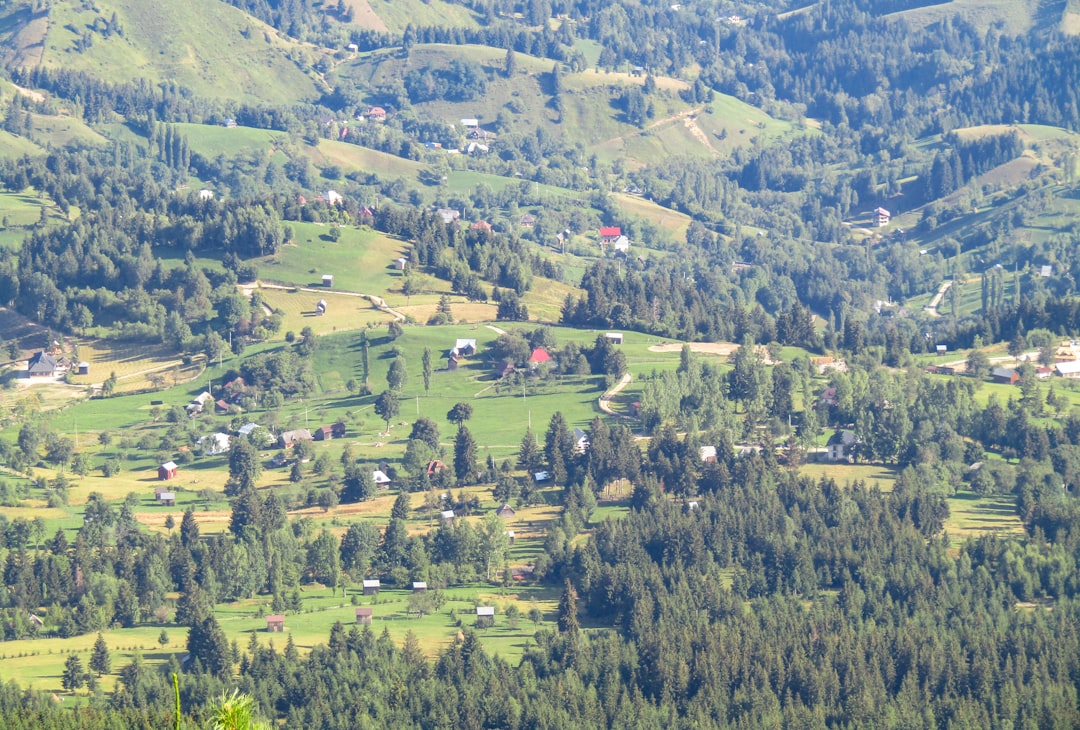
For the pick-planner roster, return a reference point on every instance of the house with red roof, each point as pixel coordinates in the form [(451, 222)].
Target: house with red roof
[(609, 234), (538, 357)]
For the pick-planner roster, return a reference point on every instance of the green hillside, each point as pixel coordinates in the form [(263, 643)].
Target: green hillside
[(233, 57)]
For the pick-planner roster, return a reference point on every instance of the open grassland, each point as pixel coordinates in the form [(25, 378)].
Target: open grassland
[(61, 131), (343, 312), (396, 15), (234, 57), (1015, 17), (212, 140), (14, 146), (361, 260)]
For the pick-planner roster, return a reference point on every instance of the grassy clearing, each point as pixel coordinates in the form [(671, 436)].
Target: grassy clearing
[(361, 260), (15, 146), (343, 312), (871, 475), (971, 515), (212, 140)]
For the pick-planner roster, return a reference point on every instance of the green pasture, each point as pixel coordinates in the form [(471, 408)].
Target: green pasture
[(39, 663), (361, 260), (235, 57), (211, 140), (13, 146), (971, 515)]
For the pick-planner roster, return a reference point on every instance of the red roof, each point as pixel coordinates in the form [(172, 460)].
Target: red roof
[(610, 231), (539, 355)]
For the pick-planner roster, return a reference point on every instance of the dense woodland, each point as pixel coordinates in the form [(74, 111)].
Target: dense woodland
[(735, 592)]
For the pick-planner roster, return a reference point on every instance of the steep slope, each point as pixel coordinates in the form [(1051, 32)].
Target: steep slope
[(205, 45)]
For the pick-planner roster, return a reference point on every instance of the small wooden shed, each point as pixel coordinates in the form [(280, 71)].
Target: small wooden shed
[(167, 471), (275, 623), (328, 280), (371, 587), (364, 615), (419, 586)]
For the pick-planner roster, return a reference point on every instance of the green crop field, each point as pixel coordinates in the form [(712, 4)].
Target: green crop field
[(213, 140)]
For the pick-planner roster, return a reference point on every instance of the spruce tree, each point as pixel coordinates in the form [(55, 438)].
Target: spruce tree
[(99, 658)]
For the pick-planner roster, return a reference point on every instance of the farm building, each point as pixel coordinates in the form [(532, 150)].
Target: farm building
[(275, 623), (485, 616), (435, 466), (506, 512), (167, 499), (364, 615), (707, 453), (82, 368), (447, 516), (1070, 369), (376, 114), (419, 586), (539, 357), (1008, 376), (401, 262), (328, 280), (881, 217), (320, 307), (41, 365), (323, 433), (527, 220), (504, 368), (372, 586), (614, 338), (464, 348), (288, 439), (167, 471), (333, 197), (353, 48), (382, 481)]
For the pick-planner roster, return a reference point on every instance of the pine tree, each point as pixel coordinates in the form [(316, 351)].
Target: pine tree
[(73, 676), (207, 644), (568, 610), (464, 454), (529, 457), (400, 510), (99, 658)]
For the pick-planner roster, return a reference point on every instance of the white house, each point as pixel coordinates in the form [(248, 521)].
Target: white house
[(581, 441), (333, 197), (841, 446), (881, 217), (379, 477), (214, 444), (464, 348)]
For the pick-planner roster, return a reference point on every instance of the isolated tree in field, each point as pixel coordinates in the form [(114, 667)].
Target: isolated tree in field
[(364, 355), (464, 454), (427, 431), (387, 407), (426, 361), (400, 510), (73, 676), (397, 376), (460, 413), (394, 330), (99, 658), (509, 63), (529, 456), (189, 529)]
